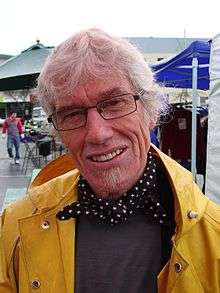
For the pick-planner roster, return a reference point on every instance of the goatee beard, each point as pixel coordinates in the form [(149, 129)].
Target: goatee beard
[(110, 183)]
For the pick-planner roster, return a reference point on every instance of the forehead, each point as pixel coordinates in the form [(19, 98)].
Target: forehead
[(95, 90)]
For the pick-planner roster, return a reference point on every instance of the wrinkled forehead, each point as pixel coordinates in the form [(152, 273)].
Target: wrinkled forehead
[(89, 92)]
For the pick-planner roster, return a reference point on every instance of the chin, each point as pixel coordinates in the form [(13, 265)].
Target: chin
[(112, 183)]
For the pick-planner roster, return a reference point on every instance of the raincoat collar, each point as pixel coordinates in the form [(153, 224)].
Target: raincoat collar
[(187, 195), (53, 193)]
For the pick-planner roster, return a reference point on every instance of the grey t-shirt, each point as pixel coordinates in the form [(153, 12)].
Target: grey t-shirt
[(121, 259)]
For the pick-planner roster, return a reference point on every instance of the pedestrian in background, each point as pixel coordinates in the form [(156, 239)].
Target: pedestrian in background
[(13, 127)]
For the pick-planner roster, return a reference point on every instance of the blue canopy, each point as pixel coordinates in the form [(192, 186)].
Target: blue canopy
[(177, 71)]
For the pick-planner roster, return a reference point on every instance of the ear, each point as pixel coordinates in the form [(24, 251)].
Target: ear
[(152, 124)]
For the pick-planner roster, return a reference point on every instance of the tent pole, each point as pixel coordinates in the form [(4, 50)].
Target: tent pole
[(194, 118)]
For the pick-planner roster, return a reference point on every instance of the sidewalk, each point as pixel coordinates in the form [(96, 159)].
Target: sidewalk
[(11, 176)]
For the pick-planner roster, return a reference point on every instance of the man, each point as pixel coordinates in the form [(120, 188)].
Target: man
[(129, 218), (12, 125)]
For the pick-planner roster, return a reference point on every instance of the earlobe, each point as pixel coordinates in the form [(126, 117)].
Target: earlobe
[(152, 124)]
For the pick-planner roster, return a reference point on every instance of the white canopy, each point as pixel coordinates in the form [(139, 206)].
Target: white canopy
[(213, 143)]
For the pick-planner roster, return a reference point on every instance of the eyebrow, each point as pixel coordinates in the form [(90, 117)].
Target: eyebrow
[(111, 92)]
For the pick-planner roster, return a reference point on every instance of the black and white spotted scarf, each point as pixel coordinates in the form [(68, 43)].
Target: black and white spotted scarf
[(143, 195)]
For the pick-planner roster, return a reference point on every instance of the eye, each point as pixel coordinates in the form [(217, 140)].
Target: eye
[(117, 102), (72, 114), (112, 103)]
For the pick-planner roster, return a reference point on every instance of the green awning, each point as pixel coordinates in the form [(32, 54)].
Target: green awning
[(21, 71)]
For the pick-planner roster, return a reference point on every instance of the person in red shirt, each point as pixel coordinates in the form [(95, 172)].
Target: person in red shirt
[(13, 127)]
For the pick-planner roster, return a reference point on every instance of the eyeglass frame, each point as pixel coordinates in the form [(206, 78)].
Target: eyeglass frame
[(136, 97)]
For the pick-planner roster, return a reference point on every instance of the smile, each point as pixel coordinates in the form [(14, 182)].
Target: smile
[(107, 157)]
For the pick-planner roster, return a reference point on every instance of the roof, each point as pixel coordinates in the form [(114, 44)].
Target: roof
[(21, 71), (162, 45), (4, 57), (28, 62)]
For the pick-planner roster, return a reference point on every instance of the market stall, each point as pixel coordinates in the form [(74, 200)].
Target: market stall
[(188, 69)]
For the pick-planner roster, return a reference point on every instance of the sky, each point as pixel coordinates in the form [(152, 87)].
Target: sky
[(22, 22)]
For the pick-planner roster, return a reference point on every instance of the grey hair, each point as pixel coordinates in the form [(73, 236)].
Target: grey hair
[(94, 54)]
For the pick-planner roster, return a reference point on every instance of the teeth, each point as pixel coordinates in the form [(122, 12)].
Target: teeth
[(107, 157)]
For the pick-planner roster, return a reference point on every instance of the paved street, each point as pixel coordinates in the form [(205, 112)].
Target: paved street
[(11, 176)]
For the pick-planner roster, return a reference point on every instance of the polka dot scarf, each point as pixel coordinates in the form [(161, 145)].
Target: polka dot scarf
[(143, 195)]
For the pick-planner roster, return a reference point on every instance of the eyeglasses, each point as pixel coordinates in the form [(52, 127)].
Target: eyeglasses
[(113, 108)]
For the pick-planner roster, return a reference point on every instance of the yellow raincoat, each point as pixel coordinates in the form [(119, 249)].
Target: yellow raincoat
[(35, 258)]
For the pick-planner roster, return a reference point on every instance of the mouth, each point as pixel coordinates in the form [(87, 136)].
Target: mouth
[(108, 156)]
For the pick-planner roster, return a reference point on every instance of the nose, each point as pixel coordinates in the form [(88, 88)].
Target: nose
[(99, 130)]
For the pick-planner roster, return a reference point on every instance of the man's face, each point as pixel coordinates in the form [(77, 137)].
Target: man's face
[(110, 154)]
